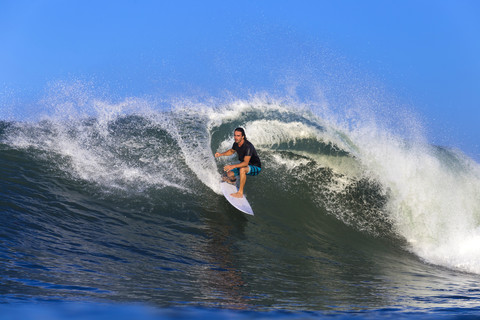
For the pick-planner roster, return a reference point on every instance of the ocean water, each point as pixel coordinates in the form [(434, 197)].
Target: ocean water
[(116, 212)]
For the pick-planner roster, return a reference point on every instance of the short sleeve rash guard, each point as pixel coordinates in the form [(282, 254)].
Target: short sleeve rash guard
[(247, 149)]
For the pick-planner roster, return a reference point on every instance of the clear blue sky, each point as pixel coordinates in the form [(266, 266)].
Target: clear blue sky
[(425, 52)]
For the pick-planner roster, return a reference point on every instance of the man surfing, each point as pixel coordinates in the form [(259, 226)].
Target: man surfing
[(249, 161)]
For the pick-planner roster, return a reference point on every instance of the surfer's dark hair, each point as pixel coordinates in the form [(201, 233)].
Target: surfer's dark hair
[(242, 132)]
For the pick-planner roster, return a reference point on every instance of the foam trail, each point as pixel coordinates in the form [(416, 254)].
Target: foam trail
[(188, 125)]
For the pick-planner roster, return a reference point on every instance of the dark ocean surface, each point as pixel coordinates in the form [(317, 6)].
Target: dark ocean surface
[(118, 214)]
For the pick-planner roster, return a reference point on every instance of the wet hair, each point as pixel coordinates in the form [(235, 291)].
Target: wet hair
[(241, 131)]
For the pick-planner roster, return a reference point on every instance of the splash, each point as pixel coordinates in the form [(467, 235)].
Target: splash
[(433, 196), (366, 175)]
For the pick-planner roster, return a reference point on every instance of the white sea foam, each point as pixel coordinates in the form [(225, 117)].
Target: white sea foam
[(433, 194), (92, 151)]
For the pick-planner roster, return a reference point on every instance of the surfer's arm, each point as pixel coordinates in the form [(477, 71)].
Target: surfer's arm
[(245, 162), (226, 153)]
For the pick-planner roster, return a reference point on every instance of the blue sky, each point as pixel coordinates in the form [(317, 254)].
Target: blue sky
[(426, 53)]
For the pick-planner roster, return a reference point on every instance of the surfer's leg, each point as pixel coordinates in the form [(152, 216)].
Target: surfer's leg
[(230, 177), (243, 179)]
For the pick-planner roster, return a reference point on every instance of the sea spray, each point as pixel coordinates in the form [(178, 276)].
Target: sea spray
[(114, 148), (433, 195), (428, 195), (363, 174)]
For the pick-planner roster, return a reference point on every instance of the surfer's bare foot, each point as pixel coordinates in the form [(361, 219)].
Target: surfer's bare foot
[(237, 195)]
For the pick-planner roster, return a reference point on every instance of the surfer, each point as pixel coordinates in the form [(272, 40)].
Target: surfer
[(249, 161)]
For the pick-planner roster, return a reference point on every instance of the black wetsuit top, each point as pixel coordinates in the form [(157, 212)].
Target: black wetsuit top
[(247, 149)]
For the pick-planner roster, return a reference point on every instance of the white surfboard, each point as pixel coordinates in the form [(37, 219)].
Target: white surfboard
[(239, 203)]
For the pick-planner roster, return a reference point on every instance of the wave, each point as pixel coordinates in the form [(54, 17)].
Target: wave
[(424, 197)]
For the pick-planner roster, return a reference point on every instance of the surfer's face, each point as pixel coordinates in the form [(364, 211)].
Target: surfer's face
[(237, 135)]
